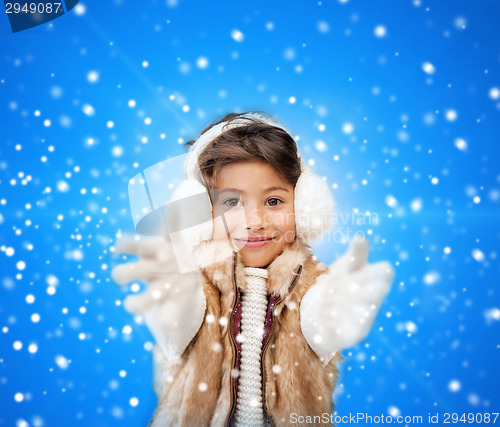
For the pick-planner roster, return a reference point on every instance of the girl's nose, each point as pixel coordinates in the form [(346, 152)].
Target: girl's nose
[(255, 218)]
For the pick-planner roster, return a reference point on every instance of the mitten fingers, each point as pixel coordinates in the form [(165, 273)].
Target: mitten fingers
[(153, 296), (146, 247), (176, 291), (354, 259), (144, 270), (140, 303), (383, 271), (375, 280)]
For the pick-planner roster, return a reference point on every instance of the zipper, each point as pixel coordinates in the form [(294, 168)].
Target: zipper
[(233, 342), (269, 339), (264, 379)]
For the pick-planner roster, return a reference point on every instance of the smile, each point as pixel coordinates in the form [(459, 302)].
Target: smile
[(255, 242)]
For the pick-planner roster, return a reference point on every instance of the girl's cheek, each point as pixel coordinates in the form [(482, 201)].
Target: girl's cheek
[(284, 220), (219, 231), (290, 236), (286, 224), (228, 221)]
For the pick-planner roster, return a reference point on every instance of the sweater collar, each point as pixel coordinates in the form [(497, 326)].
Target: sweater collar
[(217, 258), (260, 272)]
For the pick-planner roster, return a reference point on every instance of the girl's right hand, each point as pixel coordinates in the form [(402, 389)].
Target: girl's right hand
[(173, 305)]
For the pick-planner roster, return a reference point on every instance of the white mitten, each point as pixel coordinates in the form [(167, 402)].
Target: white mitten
[(173, 306), (339, 309)]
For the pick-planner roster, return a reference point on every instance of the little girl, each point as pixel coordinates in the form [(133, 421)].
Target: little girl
[(253, 336)]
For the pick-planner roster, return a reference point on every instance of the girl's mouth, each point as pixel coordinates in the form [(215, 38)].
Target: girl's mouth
[(255, 242)]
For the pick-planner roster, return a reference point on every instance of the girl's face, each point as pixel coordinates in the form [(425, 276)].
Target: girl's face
[(253, 206)]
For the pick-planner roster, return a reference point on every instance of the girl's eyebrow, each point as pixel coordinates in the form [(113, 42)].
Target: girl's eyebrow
[(222, 192), (266, 190), (228, 190)]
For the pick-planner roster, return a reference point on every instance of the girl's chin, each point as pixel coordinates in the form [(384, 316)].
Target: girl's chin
[(256, 264), (251, 258)]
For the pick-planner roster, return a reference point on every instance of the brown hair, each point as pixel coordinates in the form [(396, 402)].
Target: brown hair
[(255, 140)]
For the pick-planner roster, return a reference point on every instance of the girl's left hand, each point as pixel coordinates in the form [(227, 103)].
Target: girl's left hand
[(339, 310)]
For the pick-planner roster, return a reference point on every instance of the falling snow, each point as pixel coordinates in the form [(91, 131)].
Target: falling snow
[(403, 129)]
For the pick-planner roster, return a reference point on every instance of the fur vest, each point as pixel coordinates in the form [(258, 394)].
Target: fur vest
[(198, 389)]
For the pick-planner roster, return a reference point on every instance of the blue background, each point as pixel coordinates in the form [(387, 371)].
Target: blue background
[(381, 126)]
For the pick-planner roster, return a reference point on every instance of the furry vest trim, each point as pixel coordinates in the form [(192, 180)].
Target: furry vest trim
[(198, 388)]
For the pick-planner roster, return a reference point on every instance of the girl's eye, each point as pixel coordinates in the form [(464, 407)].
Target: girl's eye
[(273, 202), (232, 202)]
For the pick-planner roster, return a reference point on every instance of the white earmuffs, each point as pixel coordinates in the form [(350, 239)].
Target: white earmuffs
[(313, 204)]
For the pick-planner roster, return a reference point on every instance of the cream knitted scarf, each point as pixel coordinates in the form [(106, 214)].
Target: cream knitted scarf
[(249, 408)]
